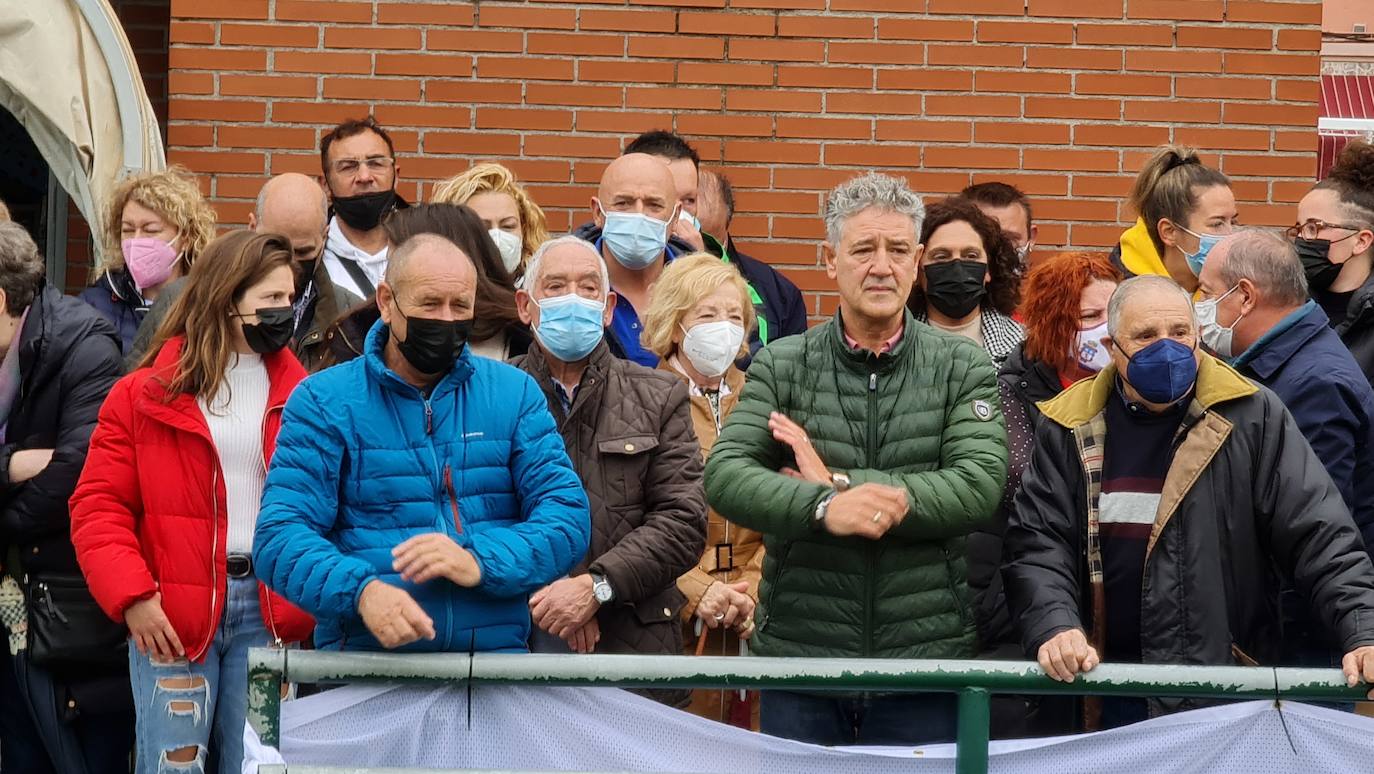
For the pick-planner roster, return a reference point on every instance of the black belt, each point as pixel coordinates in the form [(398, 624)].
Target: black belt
[(239, 565)]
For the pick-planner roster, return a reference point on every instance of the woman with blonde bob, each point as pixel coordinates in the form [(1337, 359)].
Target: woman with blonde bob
[(698, 324), (515, 222), (156, 226)]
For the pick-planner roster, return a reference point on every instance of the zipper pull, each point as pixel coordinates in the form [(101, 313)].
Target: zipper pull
[(873, 381), (429, 419), (52, 607)]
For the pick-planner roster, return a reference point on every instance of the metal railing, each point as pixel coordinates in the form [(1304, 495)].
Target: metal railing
[(973, 681)]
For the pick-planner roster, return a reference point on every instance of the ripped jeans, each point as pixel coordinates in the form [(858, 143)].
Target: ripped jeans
[(191, 716)]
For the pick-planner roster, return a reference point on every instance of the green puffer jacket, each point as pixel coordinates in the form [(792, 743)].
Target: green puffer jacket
[(925, 417)]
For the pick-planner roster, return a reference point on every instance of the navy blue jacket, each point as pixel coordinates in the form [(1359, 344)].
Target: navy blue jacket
[(1316, 377), (116, 297), (365, 461)]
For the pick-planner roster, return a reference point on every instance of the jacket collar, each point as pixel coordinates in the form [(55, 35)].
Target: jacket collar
[(733, 378), (1217, 383), (862, 359), (1138, 253), (1291, 334), (1361, 306), (284, 372), (1033, 378), (375, 359)]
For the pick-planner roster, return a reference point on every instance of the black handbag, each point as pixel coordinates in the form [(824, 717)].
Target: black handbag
[(67, 629)]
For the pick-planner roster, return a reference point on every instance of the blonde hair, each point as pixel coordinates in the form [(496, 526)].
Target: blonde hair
[(494, 178), (681, 286), (175, 197)]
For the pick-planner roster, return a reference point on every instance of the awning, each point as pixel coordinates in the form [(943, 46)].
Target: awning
[(67, 73), (1347, 112)]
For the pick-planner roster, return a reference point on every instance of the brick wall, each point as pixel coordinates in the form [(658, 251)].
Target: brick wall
[(789, 96)]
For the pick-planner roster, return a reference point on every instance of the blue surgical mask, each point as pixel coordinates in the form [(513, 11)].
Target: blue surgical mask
[(635, 239), (570, 326), (1163, 372), (690, 218), (1205, 243)]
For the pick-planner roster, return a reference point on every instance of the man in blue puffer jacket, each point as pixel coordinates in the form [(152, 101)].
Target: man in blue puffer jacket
[(419, 493)]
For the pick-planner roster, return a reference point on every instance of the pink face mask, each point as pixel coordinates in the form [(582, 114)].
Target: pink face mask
[(149, 259)]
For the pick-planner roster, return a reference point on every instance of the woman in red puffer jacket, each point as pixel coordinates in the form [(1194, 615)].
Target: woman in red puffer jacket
[(163, 516)]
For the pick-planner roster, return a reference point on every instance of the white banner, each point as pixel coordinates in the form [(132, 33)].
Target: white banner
[(605, 729)]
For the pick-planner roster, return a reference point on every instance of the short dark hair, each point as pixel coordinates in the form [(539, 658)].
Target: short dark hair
[(1004, 285), (661, 142), (352, 127), (22, 268), (995, 194), (726, 192)]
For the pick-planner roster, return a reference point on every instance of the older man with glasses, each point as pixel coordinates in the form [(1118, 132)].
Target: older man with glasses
[(359, 165)]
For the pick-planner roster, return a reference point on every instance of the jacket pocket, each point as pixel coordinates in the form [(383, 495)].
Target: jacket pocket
[(956, 594), (779, 566), (624, 465)]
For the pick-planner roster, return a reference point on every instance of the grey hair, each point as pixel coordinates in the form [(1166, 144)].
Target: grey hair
[(1269, 261), (874, 189), (400, 255), (536, 261), (1139, 284), (22, 267)]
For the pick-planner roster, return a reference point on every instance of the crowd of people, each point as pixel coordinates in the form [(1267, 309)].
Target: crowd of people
[(363, 424)]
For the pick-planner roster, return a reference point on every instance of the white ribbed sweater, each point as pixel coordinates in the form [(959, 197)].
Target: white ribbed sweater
[(235, 422)]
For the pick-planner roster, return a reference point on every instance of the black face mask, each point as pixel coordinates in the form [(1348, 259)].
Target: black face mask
[(364, 211), (272, 331), (432, 346), (1320, 271), (955, 288)]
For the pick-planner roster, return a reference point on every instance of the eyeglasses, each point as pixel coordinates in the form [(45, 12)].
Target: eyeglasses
[(375, 164), (1313, 227)]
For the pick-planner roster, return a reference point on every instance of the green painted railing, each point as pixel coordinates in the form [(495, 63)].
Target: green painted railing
[(973, 681)]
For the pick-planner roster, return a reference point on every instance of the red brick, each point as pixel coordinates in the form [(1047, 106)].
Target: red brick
[(1088, 236), (773, 100), (220, 110), (1224, 88), (1124, 35), (923, 131), (1073, 58), (615, 121), (725, 74), (896, 28), (1071, 160), (925, 79), (1021, 82), (304, 163), (1034, 185), (518, 118), (1077, 9), (825, 128), (677, 47), (1024, 32), (372, 38), (266, 86), (772, 50), (1175, 10), (1275, 12), (190, 83), (320, 11), (1300, 40), (1307, 90), (977, 7), (697, 125), (673, 98), (776, 202), (949, 157), (1179, 111), (571, 147), (424, 64), (1270, 115), (450, 13), (216, 161), (826, 77), (596, 19), (1075, 210), (1223, 139), (236, 187), (509, 16), (475, 40), (472, 143), (1273, 64), (808, 178), (221, 59), (266, 137), (883, 6), (397, 89), (1112, 187), (1068, 107), (582, 96), (1118, 136), (869, 103), (1127, 85), (191, 32), (316, 114), (732, 23), (622, 71), (277, 35), (875, 53), (772, 152), (191, 135), (413, 115), (217, 9), (826, 27), (1290, 190), (986, 55), (316, 62), (575, 44), (1229, 36), (1148, 61), (1021, 133), (942, 105), (473, 92)]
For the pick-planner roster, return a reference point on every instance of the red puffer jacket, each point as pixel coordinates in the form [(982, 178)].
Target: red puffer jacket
[(149, 513)]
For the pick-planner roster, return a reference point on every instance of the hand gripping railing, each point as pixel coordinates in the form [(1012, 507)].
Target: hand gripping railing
[(973, 681)]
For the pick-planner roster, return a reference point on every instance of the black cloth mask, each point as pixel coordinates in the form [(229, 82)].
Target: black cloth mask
[(432, 346), (955, 288), (1316, 264), (364, 211), (272, 331)]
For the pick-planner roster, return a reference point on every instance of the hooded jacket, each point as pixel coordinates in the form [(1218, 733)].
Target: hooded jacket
[(116, 297), (1135, 254), (1244, 501), (923, 417), (1357, 330), (366, 461)]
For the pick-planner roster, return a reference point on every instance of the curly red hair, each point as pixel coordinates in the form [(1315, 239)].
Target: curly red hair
[(1053, 295)]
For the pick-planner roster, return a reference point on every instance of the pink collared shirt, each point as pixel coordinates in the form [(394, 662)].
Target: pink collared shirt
[(887, 345)]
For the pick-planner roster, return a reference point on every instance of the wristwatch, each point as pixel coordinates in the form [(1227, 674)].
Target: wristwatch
[(601, 589), (821, 508), (840, 481)]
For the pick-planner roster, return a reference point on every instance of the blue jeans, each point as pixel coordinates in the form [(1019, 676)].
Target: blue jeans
[(198, 710), (872, 719)]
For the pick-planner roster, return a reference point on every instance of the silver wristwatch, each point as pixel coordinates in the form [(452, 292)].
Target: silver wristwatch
[(822, 507), (601, 589), (840, 481)]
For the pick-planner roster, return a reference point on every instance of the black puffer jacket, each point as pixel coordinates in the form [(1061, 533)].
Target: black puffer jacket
[(1020, 385), (1357, 330), (1244, 496)]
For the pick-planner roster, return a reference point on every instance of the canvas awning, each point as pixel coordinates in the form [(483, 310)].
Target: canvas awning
[(1347, 111)]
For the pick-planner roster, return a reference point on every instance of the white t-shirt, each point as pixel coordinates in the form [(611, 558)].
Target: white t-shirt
[(337, 249)]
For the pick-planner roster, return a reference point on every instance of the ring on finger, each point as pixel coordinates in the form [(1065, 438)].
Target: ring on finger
[(877, 517), (720, 616)]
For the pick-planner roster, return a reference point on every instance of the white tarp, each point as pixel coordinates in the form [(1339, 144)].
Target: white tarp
[(604, 729)]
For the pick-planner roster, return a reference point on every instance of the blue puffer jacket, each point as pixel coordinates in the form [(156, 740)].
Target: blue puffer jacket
[(364, 462)]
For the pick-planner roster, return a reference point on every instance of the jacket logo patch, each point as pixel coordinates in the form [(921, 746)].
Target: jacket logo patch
[(982, 409)]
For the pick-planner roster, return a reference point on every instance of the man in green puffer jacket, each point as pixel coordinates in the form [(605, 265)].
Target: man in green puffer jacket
[(865, 451)]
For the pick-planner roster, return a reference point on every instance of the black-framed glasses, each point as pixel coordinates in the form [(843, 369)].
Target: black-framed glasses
[(1312, 227), (375, 164)]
